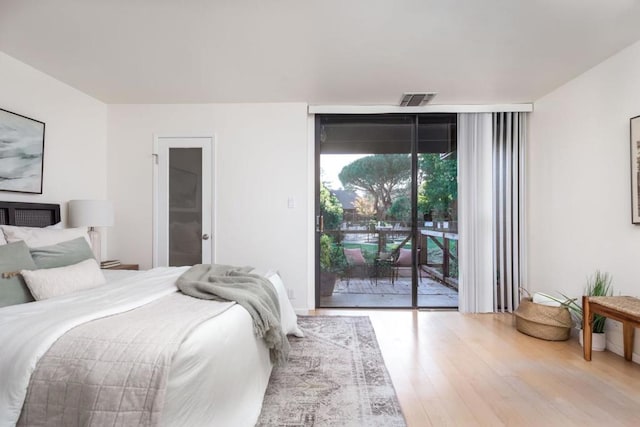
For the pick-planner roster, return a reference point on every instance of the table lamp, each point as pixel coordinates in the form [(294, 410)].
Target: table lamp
[(91, 213)]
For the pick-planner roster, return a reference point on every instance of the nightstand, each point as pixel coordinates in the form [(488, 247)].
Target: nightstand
[(124, 267)]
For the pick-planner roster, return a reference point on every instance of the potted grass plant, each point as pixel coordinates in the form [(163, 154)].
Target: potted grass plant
[(332, 265), (599, 284)]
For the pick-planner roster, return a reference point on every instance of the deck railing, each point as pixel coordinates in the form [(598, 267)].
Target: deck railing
[(389, 239)]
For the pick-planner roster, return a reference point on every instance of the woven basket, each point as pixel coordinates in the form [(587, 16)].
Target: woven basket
[(543, 321)]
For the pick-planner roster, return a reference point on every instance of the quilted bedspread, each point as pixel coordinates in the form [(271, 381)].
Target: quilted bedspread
[(114, 370)]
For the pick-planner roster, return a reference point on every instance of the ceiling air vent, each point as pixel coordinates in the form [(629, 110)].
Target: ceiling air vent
[(416, 99)]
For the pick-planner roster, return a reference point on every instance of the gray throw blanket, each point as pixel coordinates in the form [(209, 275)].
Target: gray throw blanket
[(253, 292)]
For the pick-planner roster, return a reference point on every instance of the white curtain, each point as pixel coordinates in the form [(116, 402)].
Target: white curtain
[(509, 139), (475, 213)]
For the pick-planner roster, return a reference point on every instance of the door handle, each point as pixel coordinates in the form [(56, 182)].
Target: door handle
[(320, 224), (205, 237)]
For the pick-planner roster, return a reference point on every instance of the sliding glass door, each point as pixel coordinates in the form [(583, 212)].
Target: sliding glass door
[(437, 210), (364, 210), (375, 244)]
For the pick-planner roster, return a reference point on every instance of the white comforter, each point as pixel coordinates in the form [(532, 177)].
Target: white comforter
[(203, 381)]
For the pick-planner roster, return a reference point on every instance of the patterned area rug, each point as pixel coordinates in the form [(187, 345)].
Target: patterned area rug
[(335, 377)]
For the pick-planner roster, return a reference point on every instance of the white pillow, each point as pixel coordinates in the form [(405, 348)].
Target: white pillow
[(52, 282), (35, 237), (56, 226), (288, 316)]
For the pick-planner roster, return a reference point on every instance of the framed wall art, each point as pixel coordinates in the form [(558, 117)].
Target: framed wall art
[(635, 169), (21, 153)]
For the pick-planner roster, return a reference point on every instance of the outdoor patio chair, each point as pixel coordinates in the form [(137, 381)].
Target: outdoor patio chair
[(355, 263), (404, 261)]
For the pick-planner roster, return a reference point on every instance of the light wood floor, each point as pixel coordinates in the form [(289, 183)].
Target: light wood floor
[(467, 370)]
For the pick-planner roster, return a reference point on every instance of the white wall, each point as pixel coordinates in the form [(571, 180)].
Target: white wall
[(75, 148), (579, 203), (261, 159)]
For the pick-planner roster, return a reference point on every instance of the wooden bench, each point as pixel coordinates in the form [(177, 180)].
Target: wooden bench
[(622, 309)]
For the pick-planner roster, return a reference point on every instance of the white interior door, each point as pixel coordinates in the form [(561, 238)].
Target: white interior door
[(183, 211)]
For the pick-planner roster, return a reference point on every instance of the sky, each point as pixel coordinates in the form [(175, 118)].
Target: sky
[(331, 165)]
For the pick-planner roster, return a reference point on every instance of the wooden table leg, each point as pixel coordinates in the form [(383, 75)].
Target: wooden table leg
[(587, 323), (628, 331)]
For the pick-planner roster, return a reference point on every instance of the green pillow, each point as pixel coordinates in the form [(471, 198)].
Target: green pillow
[(62, 254), (13, 258)]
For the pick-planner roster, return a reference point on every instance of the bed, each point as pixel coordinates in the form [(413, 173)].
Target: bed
[(217, 375)]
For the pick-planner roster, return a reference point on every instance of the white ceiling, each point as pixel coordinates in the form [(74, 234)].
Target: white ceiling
[(316, 51)]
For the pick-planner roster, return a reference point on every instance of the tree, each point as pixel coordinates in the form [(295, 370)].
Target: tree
[(364, 207), (440, 183), (330, 209), (400, 210), (380, 175)]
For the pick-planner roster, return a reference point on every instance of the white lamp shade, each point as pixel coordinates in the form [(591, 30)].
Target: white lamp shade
[(90, 213)]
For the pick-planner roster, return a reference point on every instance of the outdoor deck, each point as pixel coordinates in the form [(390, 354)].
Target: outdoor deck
[(366, 293)]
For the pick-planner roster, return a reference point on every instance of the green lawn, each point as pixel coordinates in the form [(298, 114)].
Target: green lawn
[(373, 247)]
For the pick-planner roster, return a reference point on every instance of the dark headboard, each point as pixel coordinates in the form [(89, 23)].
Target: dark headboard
[(29, 214)]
